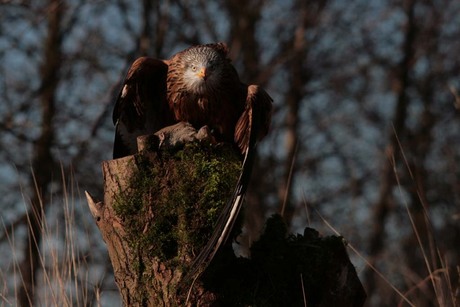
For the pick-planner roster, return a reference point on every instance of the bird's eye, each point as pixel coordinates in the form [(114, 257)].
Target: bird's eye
[(193, 68)]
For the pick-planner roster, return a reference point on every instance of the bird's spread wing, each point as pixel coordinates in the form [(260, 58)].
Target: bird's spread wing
[(141, 106), (251, 127)]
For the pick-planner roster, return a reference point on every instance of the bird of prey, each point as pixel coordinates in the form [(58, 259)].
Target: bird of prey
[(198, 85)]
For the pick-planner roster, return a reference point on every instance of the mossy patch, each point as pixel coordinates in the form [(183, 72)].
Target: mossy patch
[(174, 199)]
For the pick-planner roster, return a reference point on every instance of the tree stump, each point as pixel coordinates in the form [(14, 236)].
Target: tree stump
[(159, 210)]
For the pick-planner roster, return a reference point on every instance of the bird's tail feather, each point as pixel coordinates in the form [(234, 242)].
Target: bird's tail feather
[(231, 210), (225, 221)]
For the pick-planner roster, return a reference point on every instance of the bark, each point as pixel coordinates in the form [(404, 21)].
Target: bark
[(145, 197), (158, 212), (43, 160), (127, 259)]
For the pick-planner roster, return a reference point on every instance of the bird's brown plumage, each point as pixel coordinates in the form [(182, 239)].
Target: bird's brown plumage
[(198, 85), (155, 94), (219, 108), (141, 107)]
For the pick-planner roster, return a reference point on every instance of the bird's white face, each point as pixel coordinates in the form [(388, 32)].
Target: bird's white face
[(202, 70)]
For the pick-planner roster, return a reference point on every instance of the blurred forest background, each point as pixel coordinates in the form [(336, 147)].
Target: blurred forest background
[(365, 132)]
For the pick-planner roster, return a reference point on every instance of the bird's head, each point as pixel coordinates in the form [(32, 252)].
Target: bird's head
[(204, 67)]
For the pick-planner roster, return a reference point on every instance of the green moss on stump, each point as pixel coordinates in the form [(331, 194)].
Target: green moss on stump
[(174, 199), (169, 212)]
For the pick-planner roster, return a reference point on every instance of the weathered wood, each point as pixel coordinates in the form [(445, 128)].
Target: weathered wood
[(158, 210), (126, 260), (116, 175)]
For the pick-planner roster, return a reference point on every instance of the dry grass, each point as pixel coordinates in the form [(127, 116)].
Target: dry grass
[(434, 289), (67, 273)]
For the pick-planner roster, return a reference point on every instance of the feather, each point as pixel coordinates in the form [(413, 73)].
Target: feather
[(252, 125), (141, 106), (159, 93)]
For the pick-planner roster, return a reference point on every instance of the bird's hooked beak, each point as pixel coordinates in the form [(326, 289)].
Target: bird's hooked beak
[(202, 73)]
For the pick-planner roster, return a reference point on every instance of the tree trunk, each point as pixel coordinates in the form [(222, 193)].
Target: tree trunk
[(159, 210), (382, 207), (299, 74)]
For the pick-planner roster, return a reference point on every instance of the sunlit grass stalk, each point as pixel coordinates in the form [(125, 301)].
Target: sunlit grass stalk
[(437, 283), (368, 263), (62, 276), (437, 267)]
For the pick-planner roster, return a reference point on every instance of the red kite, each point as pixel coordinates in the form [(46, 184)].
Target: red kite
[(198, 85)]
